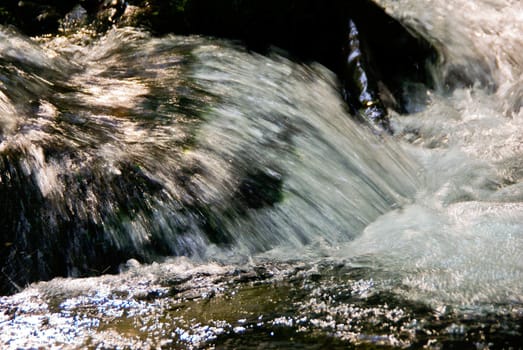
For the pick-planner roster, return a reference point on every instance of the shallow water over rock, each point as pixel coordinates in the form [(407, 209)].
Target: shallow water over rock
[(182, 304)]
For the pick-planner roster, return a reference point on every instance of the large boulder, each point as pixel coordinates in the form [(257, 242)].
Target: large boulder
[(372, 54)]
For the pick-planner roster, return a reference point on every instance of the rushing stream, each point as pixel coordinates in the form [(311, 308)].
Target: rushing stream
[(288, 223)]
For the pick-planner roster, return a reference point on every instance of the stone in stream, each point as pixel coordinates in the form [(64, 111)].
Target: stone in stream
[(42, 237)]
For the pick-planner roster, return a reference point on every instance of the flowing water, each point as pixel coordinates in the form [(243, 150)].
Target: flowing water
[(289, 224)]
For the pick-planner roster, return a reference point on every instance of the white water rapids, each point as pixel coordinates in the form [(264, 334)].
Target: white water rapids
[(461, 241), (433, 214), (458, 237)]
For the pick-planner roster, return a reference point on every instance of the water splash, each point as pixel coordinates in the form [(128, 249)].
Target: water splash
[(134, 146), (459, 242)]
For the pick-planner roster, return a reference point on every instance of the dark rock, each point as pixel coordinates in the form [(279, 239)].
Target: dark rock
[(394, 55), (34, 17), (260, 189)]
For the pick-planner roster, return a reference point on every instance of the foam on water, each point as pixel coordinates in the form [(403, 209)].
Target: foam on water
[(460, 242)]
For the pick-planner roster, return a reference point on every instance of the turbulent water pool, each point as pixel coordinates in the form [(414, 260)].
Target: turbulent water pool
[(290, 225)]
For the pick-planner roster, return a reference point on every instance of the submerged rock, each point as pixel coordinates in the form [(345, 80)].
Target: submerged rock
[(260, 189), (137, 147)]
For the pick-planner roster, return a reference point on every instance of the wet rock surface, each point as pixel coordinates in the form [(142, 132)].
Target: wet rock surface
[(180, 304)]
